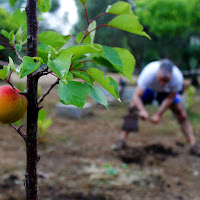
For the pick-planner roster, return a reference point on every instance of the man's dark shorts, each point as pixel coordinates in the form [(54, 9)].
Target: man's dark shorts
[(150, 95)]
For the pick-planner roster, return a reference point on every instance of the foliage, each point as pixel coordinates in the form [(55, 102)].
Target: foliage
[(7, 7), (104, 36), (43, 124), (6, 21), (190, 95), (193, 102), (66, 63), (172, 25), (164, 12), (54, 56)]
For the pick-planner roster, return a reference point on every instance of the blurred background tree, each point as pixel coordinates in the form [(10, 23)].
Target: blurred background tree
[(173, 26), (8, 23)]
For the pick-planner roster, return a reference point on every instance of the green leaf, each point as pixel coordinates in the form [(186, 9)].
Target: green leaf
[(83, 1), (74, 93), (128, 23), (11, 64), (128, 62), (19, 34), (38, 59), (111, 171), (86, 48), (107, 166), (60, 66), (112, 55), (106, 82), (42, 115), (18, 69), (7, 69), (79, 38), (53, 39), (4, 72), (118, 59), (44, 5), (77, 61), (101, 60), (18, 47), (120, 8), (24, 38), (2, 47), (69, 76), (124, 166), (40, 18), (43, 51), (54, 53), (29, 66), (19, 17), (12, 37), (91, 27), (83, 75), (78, 57), (12, 2), (43, 126), (110, 59), (19, 122), (77, 65), (5, 33), (97, 95)]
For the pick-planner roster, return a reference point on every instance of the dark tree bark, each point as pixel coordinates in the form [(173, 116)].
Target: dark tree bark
[(31, 182)]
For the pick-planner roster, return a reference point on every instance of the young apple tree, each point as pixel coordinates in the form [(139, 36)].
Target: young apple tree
[(45, 54)]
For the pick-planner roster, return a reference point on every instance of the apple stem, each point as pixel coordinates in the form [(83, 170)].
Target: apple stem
[(10, 75), (8, 81)]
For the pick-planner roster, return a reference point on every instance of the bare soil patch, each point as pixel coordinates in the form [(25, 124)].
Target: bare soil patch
[(77, 162), (141, 154)]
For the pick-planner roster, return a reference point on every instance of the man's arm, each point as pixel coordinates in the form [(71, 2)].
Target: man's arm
[(137, 101), (165, 104)]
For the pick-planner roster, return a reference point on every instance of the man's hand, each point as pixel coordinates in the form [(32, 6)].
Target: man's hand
[(155, 118), (144, 114)]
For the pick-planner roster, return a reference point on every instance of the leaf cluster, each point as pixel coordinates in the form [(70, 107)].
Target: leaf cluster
[(66, 63)]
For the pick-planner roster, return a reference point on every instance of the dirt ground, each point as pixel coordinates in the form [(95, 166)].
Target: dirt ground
[(77, 162)]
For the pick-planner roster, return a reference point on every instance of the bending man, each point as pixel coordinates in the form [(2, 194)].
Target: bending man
[(161, 81)]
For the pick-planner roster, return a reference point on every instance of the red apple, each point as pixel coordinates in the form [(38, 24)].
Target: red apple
[(12, 104)]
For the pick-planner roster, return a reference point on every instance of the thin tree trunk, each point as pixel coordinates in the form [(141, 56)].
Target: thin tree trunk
[(31, 182)]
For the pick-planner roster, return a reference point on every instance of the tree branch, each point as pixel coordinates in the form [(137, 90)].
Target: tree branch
[(5, 40), (74, 39), (93, 30), (86, 14), (22, 134), (17, 53), (6, 53), (98, 16), (4, 44), (31, 177), (48, 91)]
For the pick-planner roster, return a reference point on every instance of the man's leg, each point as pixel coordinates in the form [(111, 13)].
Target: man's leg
[(186, 128), (121, 143)]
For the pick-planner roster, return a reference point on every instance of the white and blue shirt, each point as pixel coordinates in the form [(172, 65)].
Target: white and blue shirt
[(148, 79)]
